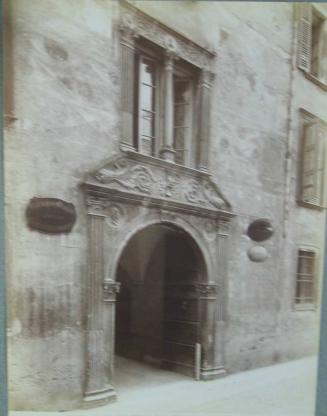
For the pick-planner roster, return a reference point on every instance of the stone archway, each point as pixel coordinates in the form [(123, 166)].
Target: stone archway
[(158, 311), (132, 192)]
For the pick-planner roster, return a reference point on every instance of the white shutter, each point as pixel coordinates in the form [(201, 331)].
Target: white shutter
[(322, 51), (313, 163), (304, 36)]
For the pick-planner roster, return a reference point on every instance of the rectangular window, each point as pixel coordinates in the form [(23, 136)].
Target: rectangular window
[(305, 277), (150, 104), (312, 42), (147, 86), (312, 162), (182, 119)]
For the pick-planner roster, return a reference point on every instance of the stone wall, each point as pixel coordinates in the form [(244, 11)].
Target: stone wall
[(63, 121)]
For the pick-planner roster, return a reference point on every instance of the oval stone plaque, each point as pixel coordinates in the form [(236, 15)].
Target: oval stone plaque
[(258, 254), (50, 215)]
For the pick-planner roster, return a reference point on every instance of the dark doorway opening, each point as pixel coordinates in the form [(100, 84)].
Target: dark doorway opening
[(157, 312)]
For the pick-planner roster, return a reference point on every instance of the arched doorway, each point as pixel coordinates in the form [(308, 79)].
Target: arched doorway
[(158, 310)]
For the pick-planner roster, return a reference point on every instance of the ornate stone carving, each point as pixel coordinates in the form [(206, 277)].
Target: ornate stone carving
[(224, 226), (169, 184), (210, 227), (95, 205), (207, 289), (115, 215), (129, 177), (171, 44), (165, 37), (134, 174), (202, 193), (110, 290)]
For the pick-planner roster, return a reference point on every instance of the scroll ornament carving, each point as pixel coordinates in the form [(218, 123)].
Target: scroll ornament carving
[(155, 179), (96, 205), (123, 175), (115, 215), (201, 193), (169, 185)]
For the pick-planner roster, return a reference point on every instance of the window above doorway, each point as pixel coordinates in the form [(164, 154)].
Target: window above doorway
[(165, 89)]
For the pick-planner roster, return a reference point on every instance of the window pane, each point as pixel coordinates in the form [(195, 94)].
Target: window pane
[(146, 111), (181, 119), (147, 98), (146, 146), (147, 124), (305, 277), (147, 71)]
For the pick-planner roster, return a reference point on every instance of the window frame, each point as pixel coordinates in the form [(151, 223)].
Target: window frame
[(305, 118), (142, 50), (313, 305), (192, 78), (305, 15), (145, 49)]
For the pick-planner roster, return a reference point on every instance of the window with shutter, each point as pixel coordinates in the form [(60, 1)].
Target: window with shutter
[(312, 169), (312, 42)]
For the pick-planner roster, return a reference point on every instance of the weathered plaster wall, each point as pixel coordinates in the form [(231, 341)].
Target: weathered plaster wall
[(65, 100)]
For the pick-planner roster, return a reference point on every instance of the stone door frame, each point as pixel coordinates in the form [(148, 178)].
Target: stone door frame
[(122, 198)]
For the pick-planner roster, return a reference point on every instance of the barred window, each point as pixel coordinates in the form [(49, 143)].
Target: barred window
[(305, 277)]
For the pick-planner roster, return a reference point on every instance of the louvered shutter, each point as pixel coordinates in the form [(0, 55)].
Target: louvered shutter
[(304, 36), (313, 163), (322, 51)]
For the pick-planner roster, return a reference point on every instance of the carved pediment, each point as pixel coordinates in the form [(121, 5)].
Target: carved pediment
[(132, 174)]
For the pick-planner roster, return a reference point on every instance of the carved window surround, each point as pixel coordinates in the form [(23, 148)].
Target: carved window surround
[(174, 47), (138, 23)]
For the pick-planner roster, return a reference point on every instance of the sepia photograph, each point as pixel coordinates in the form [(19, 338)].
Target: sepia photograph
[(165, 193)]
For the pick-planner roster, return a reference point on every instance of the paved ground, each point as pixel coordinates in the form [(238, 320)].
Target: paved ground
[(282, 390)]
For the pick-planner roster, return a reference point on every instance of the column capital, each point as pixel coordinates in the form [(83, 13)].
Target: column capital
[(207, 77), (95, 206), (110, 290), (128, 30), (207, 290)]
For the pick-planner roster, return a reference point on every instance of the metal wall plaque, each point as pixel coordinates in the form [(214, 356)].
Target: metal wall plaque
[(260, 230), (50, 215)]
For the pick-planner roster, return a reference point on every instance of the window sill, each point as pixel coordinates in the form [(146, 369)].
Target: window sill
[(310, 206), (165, 163), (315, 80), (305, 307)]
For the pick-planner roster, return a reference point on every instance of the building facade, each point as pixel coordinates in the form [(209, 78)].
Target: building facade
[(165, 190)]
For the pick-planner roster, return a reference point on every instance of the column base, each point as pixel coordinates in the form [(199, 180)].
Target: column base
[(99, 397), (204, 169), (127, 147), (212, 373), (168, 153)]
